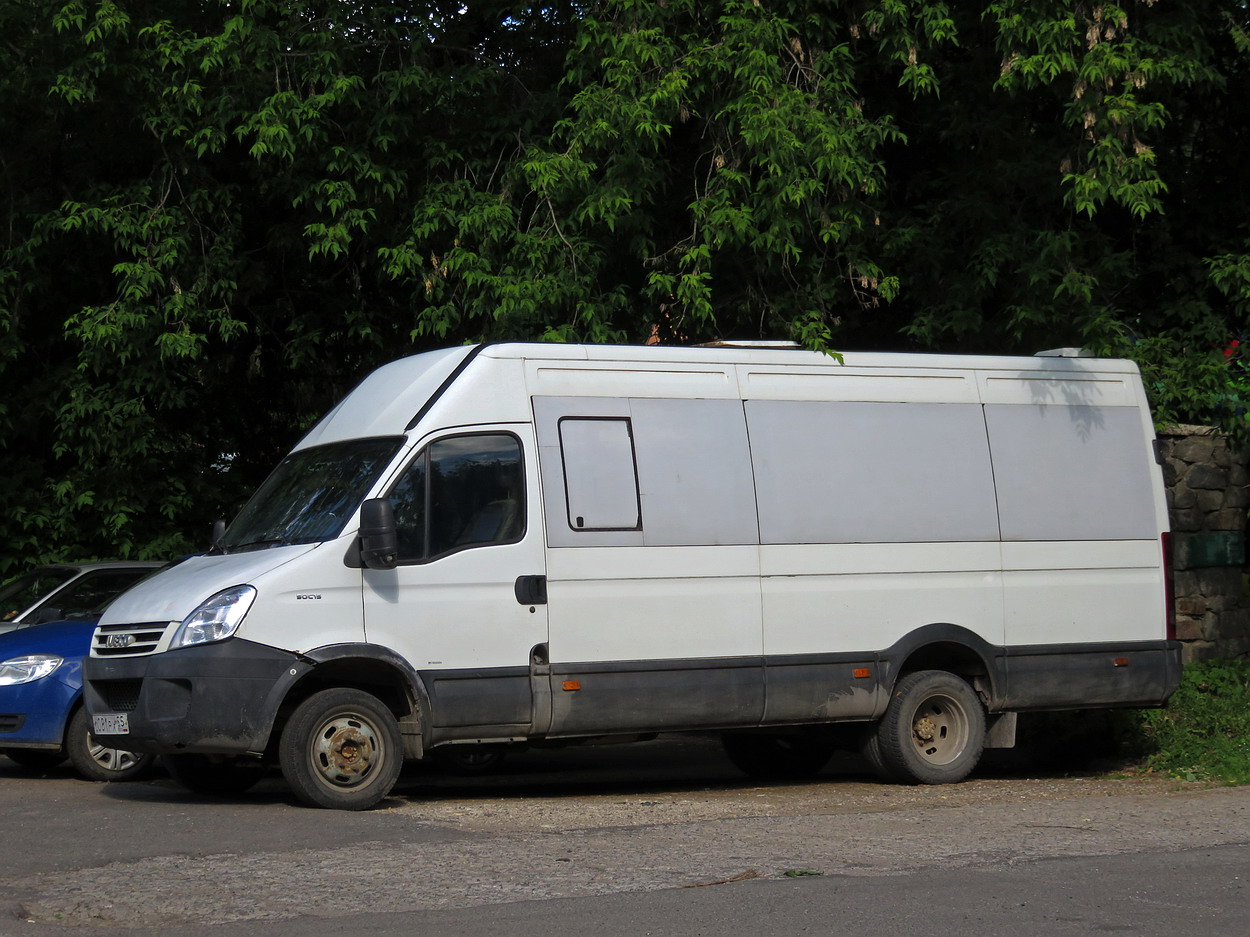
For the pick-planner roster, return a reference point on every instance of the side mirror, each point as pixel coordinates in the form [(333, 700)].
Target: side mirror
[(219, 531), (46, 615), (379, 541)]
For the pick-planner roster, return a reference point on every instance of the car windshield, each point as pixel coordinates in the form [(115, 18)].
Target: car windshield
[(311, 494), (24, 591), (84, 599)]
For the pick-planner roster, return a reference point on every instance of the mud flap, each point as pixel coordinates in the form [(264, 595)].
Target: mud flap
[(1000, 730)]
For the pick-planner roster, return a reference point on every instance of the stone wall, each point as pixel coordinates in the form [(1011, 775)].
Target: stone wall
[(1207, 483)]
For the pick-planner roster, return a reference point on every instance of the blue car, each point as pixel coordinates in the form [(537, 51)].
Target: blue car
[(42, 719)]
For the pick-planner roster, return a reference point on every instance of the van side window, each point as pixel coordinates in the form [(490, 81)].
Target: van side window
[(460, 492), (600, 473)]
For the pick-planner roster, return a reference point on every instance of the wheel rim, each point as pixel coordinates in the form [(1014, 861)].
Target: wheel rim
[(113, 759), (940, 729), (345, 750)]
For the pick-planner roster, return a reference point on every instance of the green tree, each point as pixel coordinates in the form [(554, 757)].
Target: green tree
[(220, 214), (198, 195), (1084, 199)]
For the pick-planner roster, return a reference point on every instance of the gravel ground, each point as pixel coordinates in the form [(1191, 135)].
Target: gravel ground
[(594, 824)]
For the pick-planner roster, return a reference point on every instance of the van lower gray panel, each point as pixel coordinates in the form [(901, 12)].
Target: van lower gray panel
[(480, 697), (807, 689), (644, 696), (675, 695), (1081, 676)]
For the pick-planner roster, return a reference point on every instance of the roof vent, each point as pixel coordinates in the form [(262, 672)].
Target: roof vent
[(1065, 353)]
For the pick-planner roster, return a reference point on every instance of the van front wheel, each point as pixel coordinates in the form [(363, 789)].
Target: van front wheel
[(933, 731), (341, 749)]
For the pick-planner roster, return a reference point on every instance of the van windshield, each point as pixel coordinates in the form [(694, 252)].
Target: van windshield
[(311, 494)]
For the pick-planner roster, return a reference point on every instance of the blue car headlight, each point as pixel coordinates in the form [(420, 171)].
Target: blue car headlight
[(28, 668)]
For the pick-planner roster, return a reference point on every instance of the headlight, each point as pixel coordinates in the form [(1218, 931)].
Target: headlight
[(27, 669), (216, 619)]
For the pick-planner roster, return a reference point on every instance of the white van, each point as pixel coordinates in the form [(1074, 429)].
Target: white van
[(528, 543)]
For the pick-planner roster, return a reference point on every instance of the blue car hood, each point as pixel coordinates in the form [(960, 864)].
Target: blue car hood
[(63, 638)]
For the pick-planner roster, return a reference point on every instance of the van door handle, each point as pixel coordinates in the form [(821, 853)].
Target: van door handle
[(531, 590)]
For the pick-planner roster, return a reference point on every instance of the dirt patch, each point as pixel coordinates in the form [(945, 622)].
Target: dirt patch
[(825, 797)]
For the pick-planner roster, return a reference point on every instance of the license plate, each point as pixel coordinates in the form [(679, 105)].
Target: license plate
[(110, 724)]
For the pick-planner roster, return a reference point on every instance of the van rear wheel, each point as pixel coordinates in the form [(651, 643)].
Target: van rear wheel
[(933, 731), (341, 749)]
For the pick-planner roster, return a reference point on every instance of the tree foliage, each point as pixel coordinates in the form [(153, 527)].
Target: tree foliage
[(219, 214)]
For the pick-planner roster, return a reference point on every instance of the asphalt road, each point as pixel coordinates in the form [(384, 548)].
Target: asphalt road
[(657, 838)]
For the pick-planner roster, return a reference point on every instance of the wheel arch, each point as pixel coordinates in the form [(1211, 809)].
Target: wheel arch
[(369, 668), (954, 649)]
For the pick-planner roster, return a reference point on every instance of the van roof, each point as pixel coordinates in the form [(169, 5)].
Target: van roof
[(393, 398), (787, 354)]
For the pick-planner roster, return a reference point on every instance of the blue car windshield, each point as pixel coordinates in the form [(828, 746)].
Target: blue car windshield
[(311, 494), (21, 593)]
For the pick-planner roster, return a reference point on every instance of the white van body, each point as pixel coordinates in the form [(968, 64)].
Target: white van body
[(759, 541)]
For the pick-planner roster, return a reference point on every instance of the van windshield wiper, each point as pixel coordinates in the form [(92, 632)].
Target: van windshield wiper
[(255, 544)]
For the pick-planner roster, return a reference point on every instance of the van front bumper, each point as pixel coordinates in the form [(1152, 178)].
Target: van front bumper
[(219, 698)]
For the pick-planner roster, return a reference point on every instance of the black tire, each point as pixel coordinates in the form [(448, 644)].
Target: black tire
[(97, 762), (341, 749), (34, 759), (778, 757), (933, 731), (468, 759), (871, 750), (214, 775)]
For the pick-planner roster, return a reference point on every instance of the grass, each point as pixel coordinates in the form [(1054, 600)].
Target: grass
[(1202, 735)]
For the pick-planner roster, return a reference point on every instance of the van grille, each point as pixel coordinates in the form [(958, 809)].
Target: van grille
[(11, 722), (120, 696), (129, 640)]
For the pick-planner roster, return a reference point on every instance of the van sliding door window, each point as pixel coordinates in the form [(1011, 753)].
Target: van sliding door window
[(600, 473), (460, 492)]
